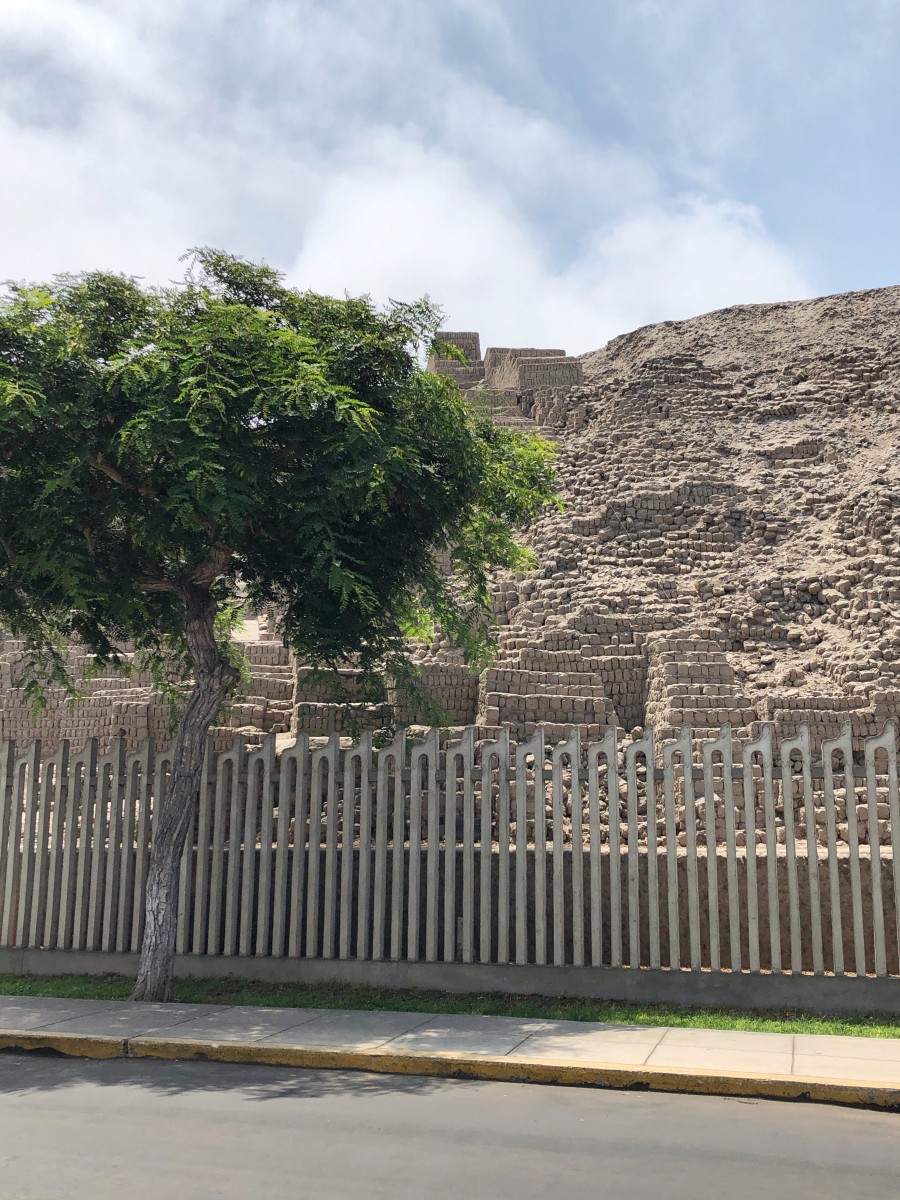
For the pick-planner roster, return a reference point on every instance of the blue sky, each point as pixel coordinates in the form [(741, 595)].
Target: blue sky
[(550, 174)]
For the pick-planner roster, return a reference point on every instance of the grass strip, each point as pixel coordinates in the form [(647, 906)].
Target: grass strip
[(340, 995)]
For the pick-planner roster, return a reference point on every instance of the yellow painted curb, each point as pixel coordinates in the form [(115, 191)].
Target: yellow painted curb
[(512, 1069), (505, 1068), (78, 1045)]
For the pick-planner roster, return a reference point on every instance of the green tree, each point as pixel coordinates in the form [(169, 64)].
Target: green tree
[(161, 449)]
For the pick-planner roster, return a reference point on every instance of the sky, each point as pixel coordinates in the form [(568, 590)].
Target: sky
[(550, 174)]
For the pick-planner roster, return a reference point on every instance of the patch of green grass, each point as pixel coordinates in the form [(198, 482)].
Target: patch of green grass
[(338, 995)]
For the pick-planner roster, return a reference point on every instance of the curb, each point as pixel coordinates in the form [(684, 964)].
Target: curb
[(448, 1065)]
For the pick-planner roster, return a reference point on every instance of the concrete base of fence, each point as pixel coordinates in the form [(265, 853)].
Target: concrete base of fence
[(819, 994)]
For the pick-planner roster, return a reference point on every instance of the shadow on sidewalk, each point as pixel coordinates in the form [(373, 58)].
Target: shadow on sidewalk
[(26, 1073)]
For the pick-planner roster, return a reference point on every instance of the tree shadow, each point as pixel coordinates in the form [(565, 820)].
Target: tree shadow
[(29, 1072)]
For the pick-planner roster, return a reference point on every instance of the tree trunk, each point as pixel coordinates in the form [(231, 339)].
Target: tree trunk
[(213, 677)]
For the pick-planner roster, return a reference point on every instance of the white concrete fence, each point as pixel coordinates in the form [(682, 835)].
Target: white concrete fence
[(464, 853)]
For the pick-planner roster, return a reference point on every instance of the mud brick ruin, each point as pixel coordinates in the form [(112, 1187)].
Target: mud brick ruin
[(728, 548), (727, 552)]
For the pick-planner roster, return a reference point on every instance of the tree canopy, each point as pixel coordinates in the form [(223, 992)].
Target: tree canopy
[(159, 442)]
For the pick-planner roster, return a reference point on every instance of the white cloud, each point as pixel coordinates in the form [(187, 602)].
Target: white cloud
[(343, 143)]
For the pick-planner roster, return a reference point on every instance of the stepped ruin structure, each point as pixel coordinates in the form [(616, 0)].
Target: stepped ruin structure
[(728, 548), (726, 554)]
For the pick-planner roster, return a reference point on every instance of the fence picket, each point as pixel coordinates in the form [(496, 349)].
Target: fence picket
[(116, 759), (363, 908), (142, 786), (894, 810), (31, 803), (484, 815), (8, 845), (859, 942), (672, 899), (761, 746), (388, 756), (87, 801), (422, 754), (712, 861), (577, 856), (221, 804), (295, 776), (265, 758), (251, 785), (48, 936), (788, 745), (540, 857), (468, 847), (433, 853), (398, 842), (605, 749), (452, 757), (499, 749), (15, 811), (644, 747), (186, 886), (205, 839), (534, 749), (357, 756), (330, 894), (837, 933), (236, 798), (103, 787), (42, 864), (769, 823), (724, 746), (319, 794), (884, 741), (613, 799)]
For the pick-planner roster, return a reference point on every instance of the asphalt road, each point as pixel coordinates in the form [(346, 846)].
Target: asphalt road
[(78, 1130)]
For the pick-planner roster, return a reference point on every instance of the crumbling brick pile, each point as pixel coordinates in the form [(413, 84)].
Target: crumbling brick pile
[(125, 704)]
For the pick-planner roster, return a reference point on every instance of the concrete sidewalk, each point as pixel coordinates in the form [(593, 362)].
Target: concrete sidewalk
[(846, 1070)]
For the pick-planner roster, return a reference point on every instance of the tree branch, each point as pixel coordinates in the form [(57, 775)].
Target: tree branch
[(210, 570), (106, 468)]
